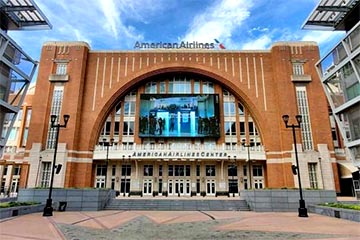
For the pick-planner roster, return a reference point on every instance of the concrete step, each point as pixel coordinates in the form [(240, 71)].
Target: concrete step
[(178, 205)]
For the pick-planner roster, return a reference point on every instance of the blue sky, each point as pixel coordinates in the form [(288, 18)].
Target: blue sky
[(118, 24)]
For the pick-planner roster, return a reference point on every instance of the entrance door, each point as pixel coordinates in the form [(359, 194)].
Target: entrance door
[(179, 187), (147, 187), (210, 187)]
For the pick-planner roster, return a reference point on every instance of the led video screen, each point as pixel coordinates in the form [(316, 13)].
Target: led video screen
[(179, 115)]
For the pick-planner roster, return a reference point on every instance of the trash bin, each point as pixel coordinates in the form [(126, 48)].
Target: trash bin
[(62, 206)]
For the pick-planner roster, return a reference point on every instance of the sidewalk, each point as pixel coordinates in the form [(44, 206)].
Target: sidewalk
[(176, 225)]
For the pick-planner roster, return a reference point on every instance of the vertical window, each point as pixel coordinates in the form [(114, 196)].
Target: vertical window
[(208, 87), (210, 170), (151, 87), (303, 109), (16, 170), (171, 170), (116, 128), (118, 109), (179, 84), (61, 68), (162, 87), (196, 86), (55, 110), (298, 68), (257, 171), (128, 128), (100, 175), (312, 175), (160, 170), (230, 128), (198, 170), (229, 109), (240, 109), (148, 170), (45, 174)]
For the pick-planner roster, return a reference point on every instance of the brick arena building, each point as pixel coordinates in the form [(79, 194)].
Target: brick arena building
[(180, 121)]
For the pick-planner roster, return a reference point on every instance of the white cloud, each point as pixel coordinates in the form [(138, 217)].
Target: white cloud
[(112, 16), (219, 20), (263, 42), (321, 37)]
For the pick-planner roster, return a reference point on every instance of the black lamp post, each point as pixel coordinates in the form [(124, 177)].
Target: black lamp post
[(296, 170), (249, 164), (48, 210), (107, 145)]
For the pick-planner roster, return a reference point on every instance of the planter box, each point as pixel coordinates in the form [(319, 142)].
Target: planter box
[(76, 199), (20, 210), (347, 214), (284, 200)]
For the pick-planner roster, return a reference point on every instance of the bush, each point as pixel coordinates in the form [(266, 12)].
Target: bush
[(17, 204), (342, 205)]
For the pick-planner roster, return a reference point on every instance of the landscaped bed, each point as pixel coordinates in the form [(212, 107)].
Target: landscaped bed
[(342, 205), (17, 204)]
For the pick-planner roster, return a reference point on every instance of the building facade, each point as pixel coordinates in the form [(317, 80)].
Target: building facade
[(339, 72), (180, 122)]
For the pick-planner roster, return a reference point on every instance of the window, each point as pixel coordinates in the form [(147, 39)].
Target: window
[(312, 175), (240, 109), (242, 128), (129, 108), (118, 109), (13, 134), (55, 110), (100, 170), (196, 86), (210, 170), (162, 87), (171, 170), (45, 174), (232, 170), (17, 169), (257, 170), (229, 109), (148, 170), (61, 68), (303, 108), (128, 128), (179, 85), (126, 170), (230, 128), (298, 68), (116, 128), (151, 87), (198, 170), (208, 87), (160, 170)]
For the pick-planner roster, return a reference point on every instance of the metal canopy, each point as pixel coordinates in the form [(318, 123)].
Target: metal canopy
[(22, 15), (329, 14)]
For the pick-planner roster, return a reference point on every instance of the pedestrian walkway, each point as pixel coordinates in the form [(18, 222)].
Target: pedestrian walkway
[(176, 225)]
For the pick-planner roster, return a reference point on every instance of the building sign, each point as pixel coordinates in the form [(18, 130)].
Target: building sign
[(181, 45), (178, 154)]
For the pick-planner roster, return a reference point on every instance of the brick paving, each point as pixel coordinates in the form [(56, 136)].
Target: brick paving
[(176, 225)]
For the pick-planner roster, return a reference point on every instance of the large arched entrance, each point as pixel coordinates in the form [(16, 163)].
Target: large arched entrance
[(179, 134)]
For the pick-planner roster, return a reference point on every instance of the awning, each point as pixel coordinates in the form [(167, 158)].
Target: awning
[(346, 169)]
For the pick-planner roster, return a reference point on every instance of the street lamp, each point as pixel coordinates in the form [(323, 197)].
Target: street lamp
[(48, 210), (296, 170), (107, 145), (249, 164)]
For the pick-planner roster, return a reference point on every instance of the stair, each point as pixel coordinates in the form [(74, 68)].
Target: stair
[(177, 205)]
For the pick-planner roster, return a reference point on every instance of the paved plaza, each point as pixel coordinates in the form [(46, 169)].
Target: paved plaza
[(176, 225)]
